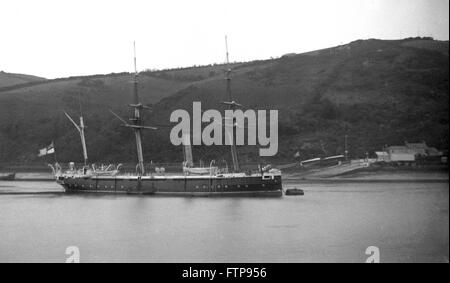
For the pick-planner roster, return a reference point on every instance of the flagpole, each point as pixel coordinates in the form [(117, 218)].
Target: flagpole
[(54, 150), (45, 156)]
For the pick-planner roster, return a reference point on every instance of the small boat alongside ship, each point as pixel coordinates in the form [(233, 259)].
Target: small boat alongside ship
[(194, 181), (294, 192)]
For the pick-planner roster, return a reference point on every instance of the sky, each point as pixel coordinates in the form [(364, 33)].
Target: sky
[(60, 38)]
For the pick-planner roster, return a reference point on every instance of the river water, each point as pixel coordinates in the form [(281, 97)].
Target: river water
[(407, 222)]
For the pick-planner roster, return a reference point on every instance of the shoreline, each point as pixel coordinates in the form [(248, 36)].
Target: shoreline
[(390, 177), (356, 180)]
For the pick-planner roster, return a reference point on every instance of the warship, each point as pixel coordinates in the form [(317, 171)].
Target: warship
[(193, 181)]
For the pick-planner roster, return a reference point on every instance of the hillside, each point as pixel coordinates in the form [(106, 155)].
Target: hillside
[(10, 79), (375, 91)]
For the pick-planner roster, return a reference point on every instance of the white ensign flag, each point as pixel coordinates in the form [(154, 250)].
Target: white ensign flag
[(47, 150)]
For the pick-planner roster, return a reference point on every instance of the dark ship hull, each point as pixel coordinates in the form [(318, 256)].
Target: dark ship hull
[(219, 185)]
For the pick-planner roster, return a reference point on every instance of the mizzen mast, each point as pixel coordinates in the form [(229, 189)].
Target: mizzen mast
[(231, 105)]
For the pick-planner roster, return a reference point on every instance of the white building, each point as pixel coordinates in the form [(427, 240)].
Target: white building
[(406, 153)]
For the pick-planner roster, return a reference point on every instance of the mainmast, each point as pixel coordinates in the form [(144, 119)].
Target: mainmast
[(231, 105), (136, 120)]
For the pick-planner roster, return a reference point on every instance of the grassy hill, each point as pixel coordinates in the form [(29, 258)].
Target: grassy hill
[(10, 79), (375, 91)]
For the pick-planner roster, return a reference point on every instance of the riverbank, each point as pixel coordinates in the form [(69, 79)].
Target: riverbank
[(372, 174), (356, 176), (33, 176)]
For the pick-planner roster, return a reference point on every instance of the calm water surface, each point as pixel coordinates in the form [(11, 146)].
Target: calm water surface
[(408, 222)]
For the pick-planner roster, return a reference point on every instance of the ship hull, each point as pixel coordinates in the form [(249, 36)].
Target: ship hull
[(269, 185)]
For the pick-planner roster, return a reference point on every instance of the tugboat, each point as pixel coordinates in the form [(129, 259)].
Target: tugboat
[(212, 182)]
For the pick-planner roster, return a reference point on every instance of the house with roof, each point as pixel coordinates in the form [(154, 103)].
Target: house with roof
[(401, 153), (407, 153)]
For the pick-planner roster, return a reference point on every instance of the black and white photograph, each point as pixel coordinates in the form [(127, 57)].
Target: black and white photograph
[(242, 133)]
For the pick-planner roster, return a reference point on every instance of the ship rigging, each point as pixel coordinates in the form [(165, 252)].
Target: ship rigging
[(216, 183)]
